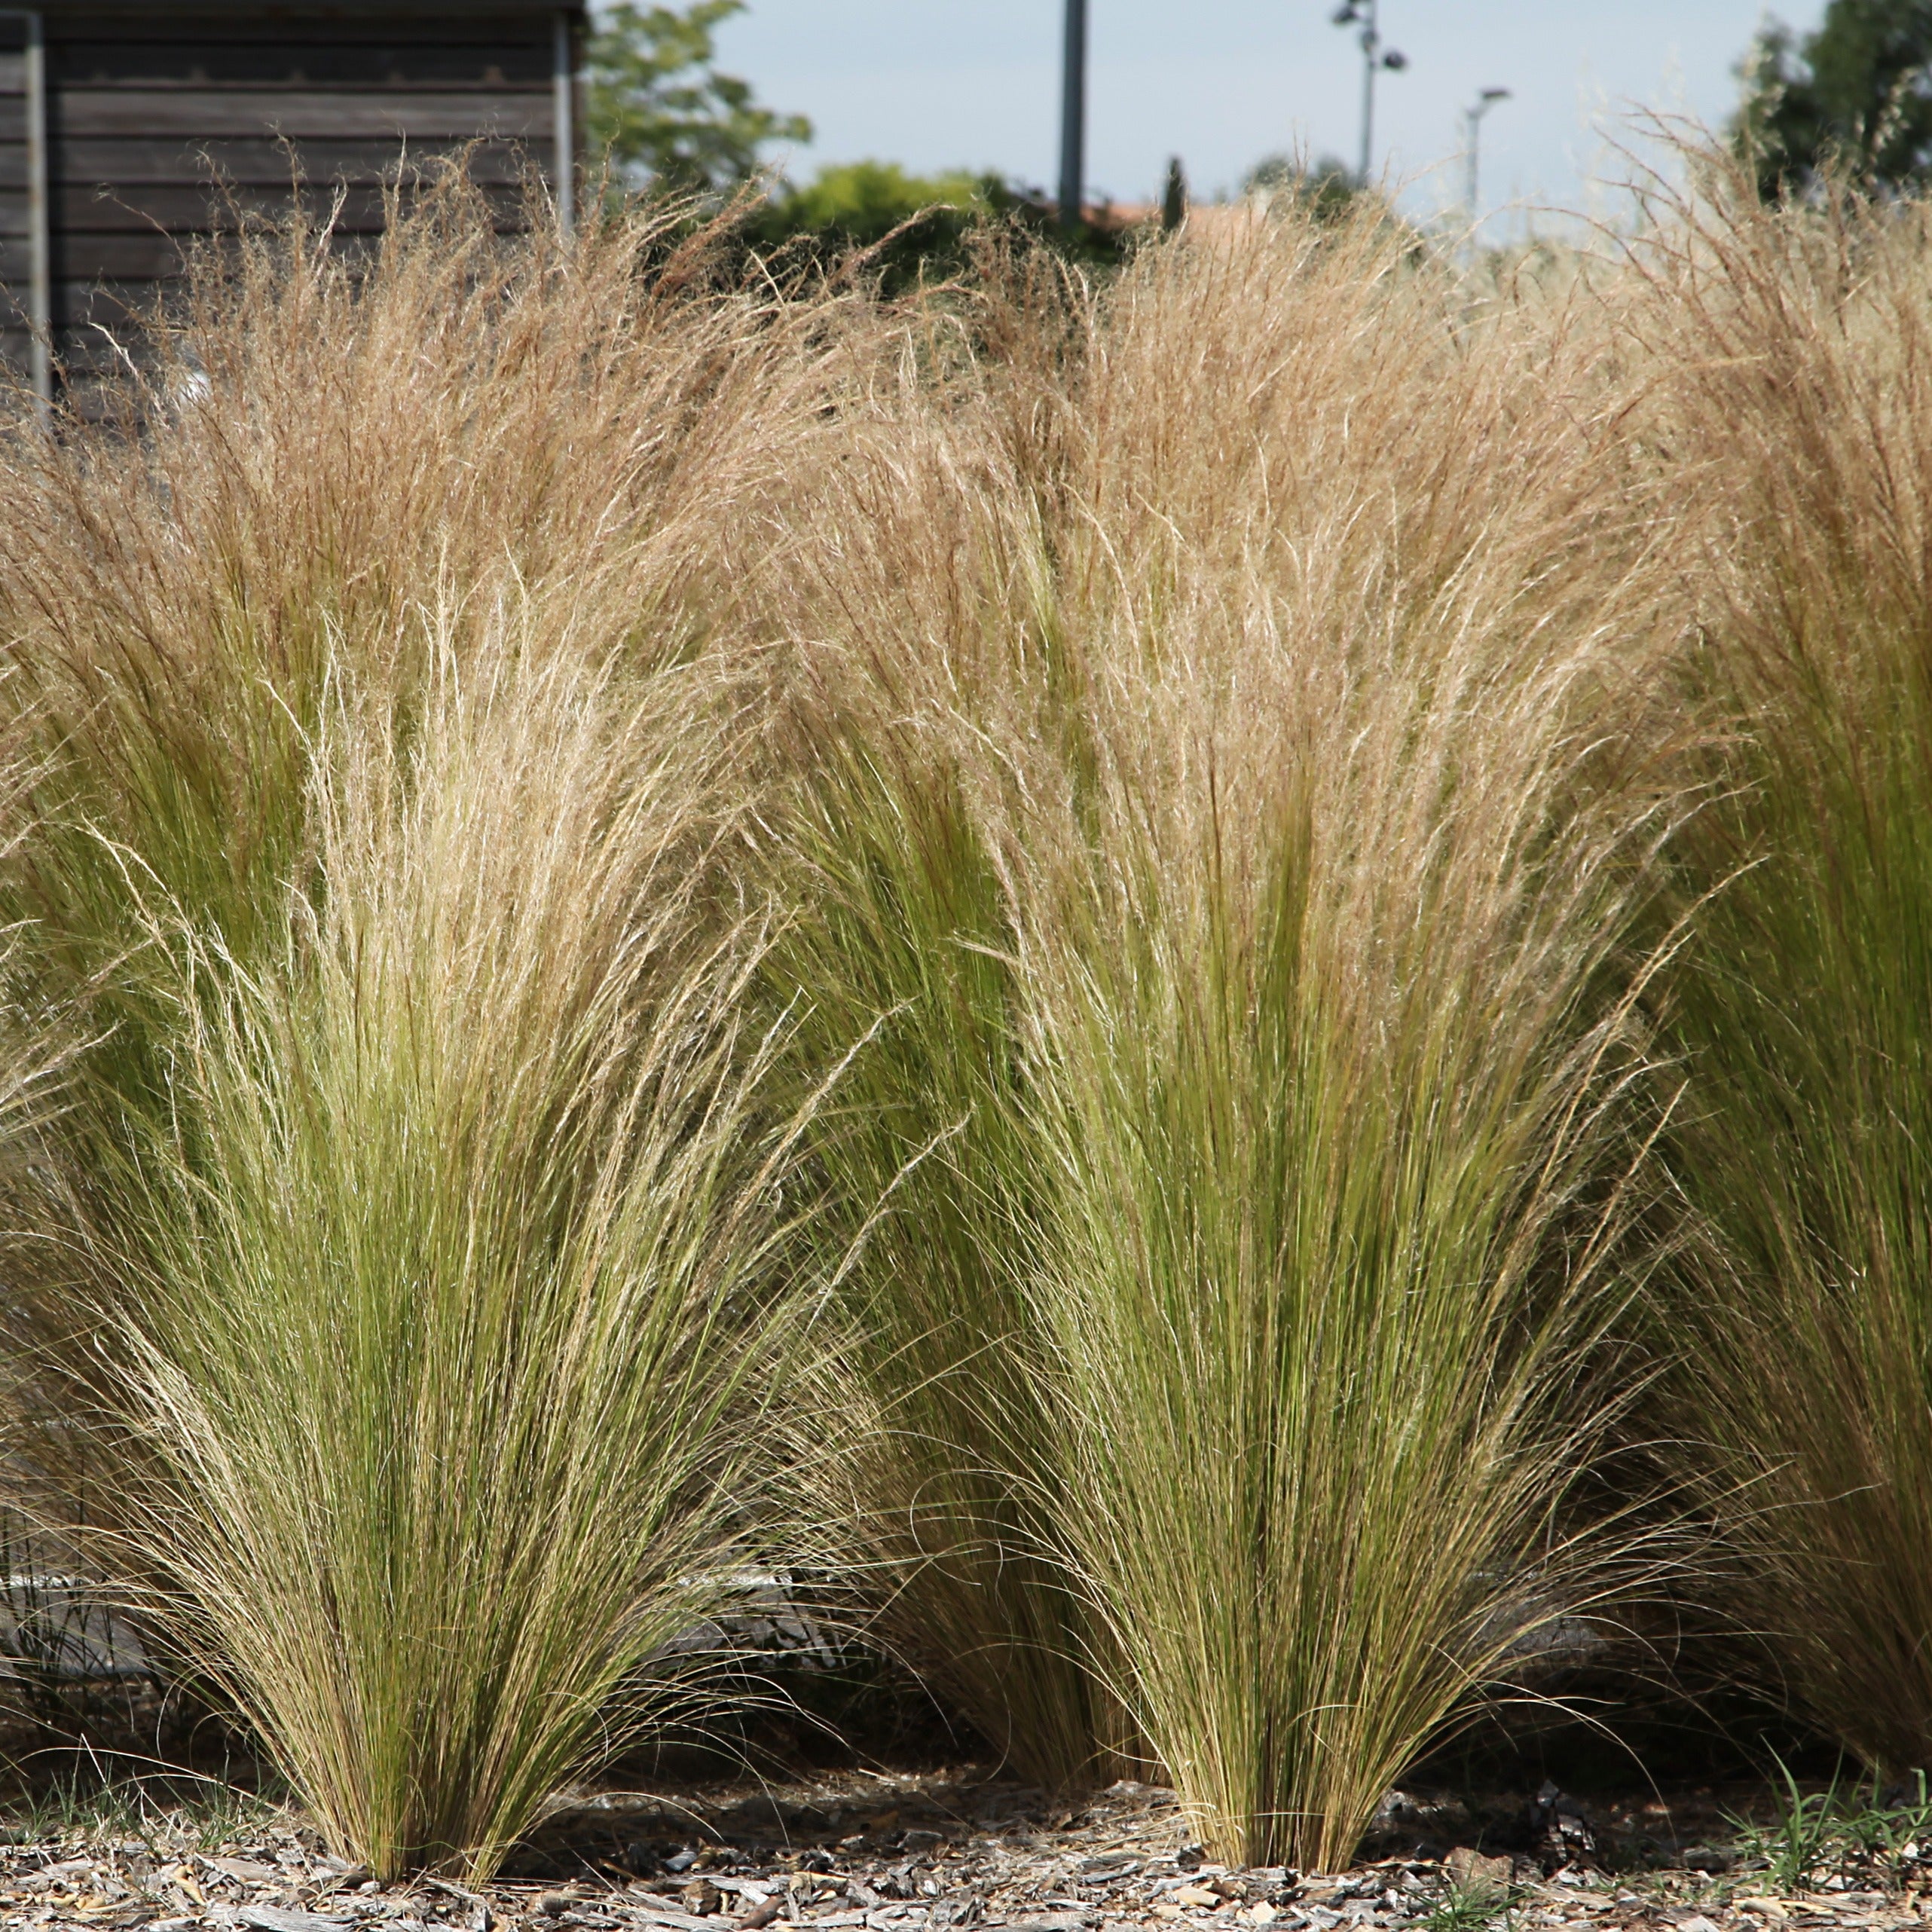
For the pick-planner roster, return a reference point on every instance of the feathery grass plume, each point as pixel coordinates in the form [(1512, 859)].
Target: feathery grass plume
[(404, 1220), (1791, 424), (433, 1336), (313, 450), (928, 1178), (924, 1165), (1266, 635), (1322, 926)]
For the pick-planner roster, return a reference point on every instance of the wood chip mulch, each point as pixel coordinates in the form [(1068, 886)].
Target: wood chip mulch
[(865, 1853)]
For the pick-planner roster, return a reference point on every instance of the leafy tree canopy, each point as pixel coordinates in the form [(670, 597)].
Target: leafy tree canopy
[(668, 119), (656, 103), (858, 204), (1328, 186), (1855, 94), (863, 201)]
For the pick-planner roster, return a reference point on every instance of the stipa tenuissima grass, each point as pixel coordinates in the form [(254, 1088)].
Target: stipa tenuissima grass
[(428, 1338), (412, 1160), (1792, 393), (1225, 746)]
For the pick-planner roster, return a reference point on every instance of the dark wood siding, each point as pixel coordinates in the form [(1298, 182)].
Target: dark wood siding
[(162, 118), (16, 224)]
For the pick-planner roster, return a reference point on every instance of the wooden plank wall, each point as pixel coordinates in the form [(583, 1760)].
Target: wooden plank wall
[(151, 104), (16, 265)]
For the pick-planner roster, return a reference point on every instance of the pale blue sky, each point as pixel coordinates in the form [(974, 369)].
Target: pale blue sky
[(937, 83)]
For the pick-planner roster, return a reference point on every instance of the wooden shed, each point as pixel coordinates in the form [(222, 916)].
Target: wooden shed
[(118, 117)]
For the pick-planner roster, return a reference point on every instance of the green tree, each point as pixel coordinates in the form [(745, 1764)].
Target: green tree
[(1854, 93), (858, 205), (1328, 186), (660, 108), (1174, 197), (862, 202)]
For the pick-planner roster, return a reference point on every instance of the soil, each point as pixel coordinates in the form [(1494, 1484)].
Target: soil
[(945, 1847), (863, 1812)]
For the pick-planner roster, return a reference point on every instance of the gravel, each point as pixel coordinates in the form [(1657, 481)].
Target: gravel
[(917, 1853)]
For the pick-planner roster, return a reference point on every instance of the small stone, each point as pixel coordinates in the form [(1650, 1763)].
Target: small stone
[(1261, 1913), (701, 1897), (668, 1916), (1468, 1868), (1200, 1895), (273, 1918)]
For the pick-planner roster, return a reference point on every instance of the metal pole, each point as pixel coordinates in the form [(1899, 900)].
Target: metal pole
[(1371, 41), (563, 81), (39, 276), (1472, 120), (1073, 116)]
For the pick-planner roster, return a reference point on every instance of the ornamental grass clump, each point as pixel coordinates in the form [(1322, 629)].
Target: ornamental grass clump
[(929, 1183), (433, 1328), (311, 453), (1791, 424), (921, 565), (392, 1311), (1224, 738)]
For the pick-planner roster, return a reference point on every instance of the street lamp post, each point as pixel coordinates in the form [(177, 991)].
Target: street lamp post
[(1352, 13), (1472, 120), (1073, 115)]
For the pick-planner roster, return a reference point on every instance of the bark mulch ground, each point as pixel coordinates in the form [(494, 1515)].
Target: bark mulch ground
[(932, 1850)]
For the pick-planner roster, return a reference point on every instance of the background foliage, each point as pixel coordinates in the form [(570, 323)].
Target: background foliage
[(1855, 92), (658, 106)]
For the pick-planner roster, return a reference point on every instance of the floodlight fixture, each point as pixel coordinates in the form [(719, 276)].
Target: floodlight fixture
[(1472, 122), (1364, 14)]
